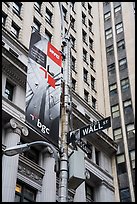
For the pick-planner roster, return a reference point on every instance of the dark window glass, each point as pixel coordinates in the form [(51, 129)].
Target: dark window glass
[(9, 90), (17, 7), (125, 195)]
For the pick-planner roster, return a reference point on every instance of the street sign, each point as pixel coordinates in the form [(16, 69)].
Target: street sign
[(89, 129)]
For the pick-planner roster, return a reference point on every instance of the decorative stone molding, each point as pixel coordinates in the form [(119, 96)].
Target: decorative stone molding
[(17, 127)]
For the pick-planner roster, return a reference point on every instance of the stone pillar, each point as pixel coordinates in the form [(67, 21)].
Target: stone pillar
[(13, 131), (48, 193), (80, 194)]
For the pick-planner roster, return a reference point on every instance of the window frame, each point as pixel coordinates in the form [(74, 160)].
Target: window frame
[(115, 113)]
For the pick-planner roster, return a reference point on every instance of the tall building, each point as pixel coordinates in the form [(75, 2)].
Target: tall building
[(118, 35), (30, 176)]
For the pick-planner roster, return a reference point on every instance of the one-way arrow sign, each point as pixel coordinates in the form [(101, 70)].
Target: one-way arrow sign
[(89, 129)]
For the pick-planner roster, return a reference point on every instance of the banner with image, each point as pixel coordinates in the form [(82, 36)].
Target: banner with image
[(43, 87)]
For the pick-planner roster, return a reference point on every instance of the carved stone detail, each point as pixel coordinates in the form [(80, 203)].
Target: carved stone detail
[(17, 127)]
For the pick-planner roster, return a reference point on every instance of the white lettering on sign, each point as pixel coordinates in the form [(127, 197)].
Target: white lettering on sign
[(55, 54), (90, 129)]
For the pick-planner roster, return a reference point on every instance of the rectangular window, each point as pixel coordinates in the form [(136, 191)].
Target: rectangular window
[(117, 133), (117, 9), (24, 193), (107, 16), (48, 35), (73, 63), (85, 74), (121, 45), (36, 24), (89, 9), (127, 106), (84, 55), (130, 128), (64, 13), (90, 25), (124, 84), (122, 64), (94, 101), (108, 33), (113, 89), (115, 111), (17, 7), (125, 195), (73, 41), (4, 16), (83, 18), (97, 156), (91, 62), (37, 6), (48, 16), (72, 20), (111, 69), (132, 157), (89, 193), (119, 28), (110, 50), (92, 82), (84, 36), (86, 94), (15, 30), (73, 84), (121, 164), (90, 43), (9, 89)]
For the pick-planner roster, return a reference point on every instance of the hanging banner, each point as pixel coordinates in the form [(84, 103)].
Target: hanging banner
[(43, 88)]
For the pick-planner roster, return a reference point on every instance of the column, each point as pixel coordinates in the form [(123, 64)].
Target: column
[(48, 193), (13, 131), (80, 194)]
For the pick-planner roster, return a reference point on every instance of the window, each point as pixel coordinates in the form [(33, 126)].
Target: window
[(83, 4), (36, 24), (4, 16), (37, 6), (83, 18), (121, 45), (117, 9), (90, 43), (122, 64), (9, 89), (48, 16), (89, 193), (94, 102), (90, 25), (117, 133), (132, 157), (72, 20), (73, 41), (127, 106), (73, 63), (85, 74), (13, 53), (119, 28), (113, 89), (24, 193), (15, 30), (97, 156), (130, 128), (124, 84), (84, 55), (89, 9), (17, 7), (125, 195), (48, 35), (86, 94), (84, 36), (92, 82), (110, 50), (115, 111), (73, 84), (108, 33), (91, 62), (107, 16), (64, 13), (111, 69), (121, 165)]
